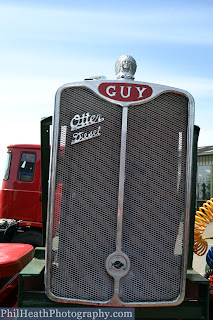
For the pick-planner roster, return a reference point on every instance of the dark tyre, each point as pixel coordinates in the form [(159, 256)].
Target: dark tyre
[(30, 237)]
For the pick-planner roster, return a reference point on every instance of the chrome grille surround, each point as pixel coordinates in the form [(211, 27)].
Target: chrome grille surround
[(84, 190)]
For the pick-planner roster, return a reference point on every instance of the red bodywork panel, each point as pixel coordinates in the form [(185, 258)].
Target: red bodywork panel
[(14, 257), (29, 223), (21, 200)]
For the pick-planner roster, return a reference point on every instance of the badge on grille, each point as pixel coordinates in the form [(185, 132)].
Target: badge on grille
[(85, 120)]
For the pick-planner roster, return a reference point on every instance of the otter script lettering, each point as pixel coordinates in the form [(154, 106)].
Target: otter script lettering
[(84, 120)]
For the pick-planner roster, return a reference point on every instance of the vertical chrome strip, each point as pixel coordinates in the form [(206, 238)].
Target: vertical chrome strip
[(118, 254), (51, 195), (121, 179), (190, 135)]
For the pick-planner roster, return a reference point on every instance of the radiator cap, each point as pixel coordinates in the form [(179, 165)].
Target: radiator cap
[(125, 67)]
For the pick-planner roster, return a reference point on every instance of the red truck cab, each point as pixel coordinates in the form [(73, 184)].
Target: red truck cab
[(20, 195)]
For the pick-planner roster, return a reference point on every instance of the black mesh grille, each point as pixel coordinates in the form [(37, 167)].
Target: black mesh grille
[(154, 199), (88, 175), (86, 198)]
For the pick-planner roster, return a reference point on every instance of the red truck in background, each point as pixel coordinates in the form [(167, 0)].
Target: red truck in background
[(20, 196)]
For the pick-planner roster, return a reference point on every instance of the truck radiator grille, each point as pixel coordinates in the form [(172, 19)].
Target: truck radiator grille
[(83, 215), (154, 199), (88, 172)]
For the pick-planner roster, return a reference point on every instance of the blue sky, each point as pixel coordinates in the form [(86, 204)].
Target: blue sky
[(44, 44)]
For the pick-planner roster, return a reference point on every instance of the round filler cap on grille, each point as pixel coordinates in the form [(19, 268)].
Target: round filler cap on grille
[(117, 264)]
